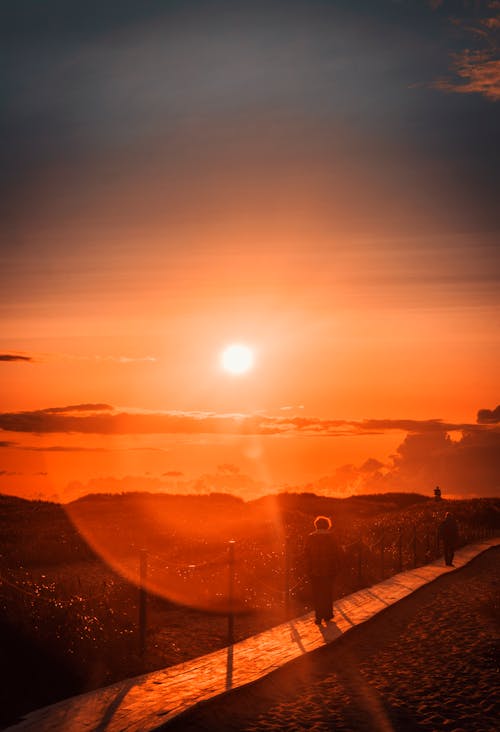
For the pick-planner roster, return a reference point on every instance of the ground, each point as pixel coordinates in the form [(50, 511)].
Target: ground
[(431, 662)]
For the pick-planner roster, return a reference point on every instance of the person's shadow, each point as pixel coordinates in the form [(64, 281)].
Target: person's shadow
[(330, 631)]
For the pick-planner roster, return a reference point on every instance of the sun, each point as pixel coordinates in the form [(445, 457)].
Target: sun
[(237, 358)]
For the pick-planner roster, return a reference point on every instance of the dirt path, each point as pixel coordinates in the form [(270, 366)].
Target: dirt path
[(431, 662)]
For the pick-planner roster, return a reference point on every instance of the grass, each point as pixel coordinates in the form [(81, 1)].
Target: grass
[(69, 619)]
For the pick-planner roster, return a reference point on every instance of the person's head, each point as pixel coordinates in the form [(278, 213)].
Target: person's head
[(322, 522)]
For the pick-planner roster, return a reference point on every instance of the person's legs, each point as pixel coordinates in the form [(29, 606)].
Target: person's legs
[(316, 584), (448, 554), (322, 598), (326, 599)]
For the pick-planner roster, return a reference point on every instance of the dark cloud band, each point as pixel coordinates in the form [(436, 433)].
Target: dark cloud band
[(102, 419), (9, 357)]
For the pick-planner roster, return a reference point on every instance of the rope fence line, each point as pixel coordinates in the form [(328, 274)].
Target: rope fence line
[(40, 595), (371, 559), (364, 561)]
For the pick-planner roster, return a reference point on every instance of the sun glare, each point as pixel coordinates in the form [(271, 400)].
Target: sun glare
[(237, 359)]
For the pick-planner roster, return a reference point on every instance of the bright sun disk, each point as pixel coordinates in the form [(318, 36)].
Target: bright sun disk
[(237, 359)]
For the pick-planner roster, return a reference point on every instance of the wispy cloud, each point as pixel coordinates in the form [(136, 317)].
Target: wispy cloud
[(99, 407), (478, 72), (105, 359), (61, 448), (12, 357), (476, 68)]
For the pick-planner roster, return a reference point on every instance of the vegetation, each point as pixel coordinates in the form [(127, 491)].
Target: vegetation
[(69, 606)]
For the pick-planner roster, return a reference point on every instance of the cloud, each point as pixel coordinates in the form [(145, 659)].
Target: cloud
[(79, 408), (476, 68), (7, 443), (469, 466), (15, 357), (228, 469), (112, 359), (478, 72), (371, 465), (61, 448), (410, 425), (103, 419), (489, 416)]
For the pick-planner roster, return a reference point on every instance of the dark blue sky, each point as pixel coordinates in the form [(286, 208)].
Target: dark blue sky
[(85, 83), (383, 115)]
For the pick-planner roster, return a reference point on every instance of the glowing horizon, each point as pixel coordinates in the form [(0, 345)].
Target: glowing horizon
[(316, 182)]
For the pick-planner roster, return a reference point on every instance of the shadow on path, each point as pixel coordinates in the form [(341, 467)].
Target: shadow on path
[(296, 637), (377, 597), (113, 707), (330, 632)]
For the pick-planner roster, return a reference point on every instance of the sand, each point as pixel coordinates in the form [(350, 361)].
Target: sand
[(431, 662)]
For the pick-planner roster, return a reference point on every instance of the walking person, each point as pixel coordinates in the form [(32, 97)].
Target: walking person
[(322, 558), (448, 533)]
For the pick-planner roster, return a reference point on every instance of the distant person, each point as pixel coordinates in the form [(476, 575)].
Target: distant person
[(322, 558), (448, 533), (437, 493)]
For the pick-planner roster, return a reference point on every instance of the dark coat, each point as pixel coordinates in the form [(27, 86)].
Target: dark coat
[(322, 554), (448, 531)]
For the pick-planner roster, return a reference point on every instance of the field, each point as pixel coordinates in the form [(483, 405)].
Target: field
[(113, 586)]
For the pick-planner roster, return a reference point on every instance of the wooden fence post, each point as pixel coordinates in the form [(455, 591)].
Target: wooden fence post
[(400, 549), (230, 616), (360, 561), (143, 564), (287, 578)]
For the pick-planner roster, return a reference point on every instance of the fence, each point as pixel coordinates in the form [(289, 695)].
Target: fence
[(248, 579), (364, 562), (83, 625)]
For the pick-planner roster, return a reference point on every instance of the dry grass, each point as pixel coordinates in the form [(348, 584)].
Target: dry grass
[(72, 620)]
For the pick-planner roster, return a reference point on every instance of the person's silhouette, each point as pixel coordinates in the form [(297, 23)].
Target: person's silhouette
[(448, 533), (322, 557)]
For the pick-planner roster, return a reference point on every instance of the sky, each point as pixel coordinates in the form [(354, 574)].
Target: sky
[(315, 179)]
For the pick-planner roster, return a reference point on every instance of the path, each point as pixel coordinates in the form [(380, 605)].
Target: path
[(144, 703)]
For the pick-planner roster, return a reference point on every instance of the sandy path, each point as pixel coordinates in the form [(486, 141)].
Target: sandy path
[(431, 662)]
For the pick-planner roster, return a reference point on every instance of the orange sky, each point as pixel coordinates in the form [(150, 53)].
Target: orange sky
[(298, 184)]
